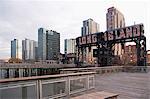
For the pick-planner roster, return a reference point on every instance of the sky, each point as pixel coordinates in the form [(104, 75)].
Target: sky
[(21, 19)]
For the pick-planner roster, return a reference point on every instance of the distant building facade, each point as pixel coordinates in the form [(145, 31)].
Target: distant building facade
[(115, 19), (70, 50), (70, 46), (29, 49), (89, 27), (148, 57), (2, 61), (14, 48), (130, 55), (46, 62), (41, 44), (48, 44), (52, 45)]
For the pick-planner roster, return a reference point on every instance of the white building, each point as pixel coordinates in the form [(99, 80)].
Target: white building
[(70, 46), (29, 49), (89, 27)]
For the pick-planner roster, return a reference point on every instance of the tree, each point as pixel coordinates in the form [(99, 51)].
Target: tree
[(14, 60)]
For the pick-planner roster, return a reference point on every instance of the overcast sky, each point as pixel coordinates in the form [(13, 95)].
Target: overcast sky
[(21, 19)]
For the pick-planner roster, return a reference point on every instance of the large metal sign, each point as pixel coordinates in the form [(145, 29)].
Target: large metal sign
[(117, 34), (133, 33)]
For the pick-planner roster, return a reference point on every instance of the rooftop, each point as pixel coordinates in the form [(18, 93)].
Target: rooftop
[(127, 85), (130, 84)]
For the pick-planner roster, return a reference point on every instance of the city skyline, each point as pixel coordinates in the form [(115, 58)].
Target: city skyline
[(68, 22)]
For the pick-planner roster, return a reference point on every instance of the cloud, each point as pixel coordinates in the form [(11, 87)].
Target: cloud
[(21, 18)]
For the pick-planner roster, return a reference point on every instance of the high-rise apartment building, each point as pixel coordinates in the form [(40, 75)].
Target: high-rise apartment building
[(29, 49), (42, 44), (14, 48), (52, 45), (48, 44), (33, 46), (70, 50), (36, 50), (115, 19), (89, 27), (69, 46)]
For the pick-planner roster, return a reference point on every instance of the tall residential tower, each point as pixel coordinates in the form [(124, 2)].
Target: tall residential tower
[(41, 44), (89, 27), (115, 19), (48, 44), (14, 48), (70, 46), (52, 45), (29, 49)]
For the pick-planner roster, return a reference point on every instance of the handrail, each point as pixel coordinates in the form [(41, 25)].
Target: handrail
[(90, 68), (109, 69), (44, 77), (25, 65)]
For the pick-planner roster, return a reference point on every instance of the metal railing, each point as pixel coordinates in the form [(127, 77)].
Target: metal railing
[(46, 87), (109, 69), (26, 72), (15, 70)]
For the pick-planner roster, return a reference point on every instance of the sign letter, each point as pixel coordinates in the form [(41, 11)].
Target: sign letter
[(94, 38), (89, 39), (129, 32), (110, 35), (136, 30)]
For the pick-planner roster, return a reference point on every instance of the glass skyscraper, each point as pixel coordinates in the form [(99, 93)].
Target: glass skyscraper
[(14, 48), (53, 45), (41, 44), (48, 44)]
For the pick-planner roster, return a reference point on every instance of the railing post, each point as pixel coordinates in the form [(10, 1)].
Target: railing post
[(87, 82), (39, 89), (68, 87), (24, 92)]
